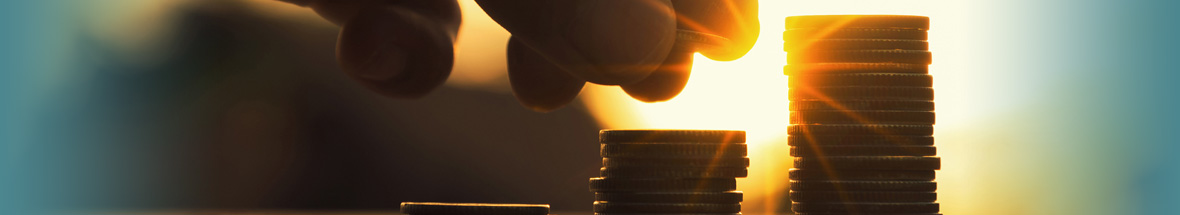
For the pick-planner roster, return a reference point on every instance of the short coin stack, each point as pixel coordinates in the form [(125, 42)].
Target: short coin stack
[(439, 208), (862, 115), (670, 172)]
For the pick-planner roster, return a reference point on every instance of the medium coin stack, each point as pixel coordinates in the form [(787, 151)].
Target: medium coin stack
[(440, 208), (670, 172), (862, 115)]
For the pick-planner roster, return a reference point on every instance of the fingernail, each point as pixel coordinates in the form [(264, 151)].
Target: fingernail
[(625, 39)]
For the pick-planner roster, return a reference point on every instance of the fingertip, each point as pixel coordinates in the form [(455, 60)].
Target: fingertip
[(395, 52), (732, 52), (537, 83), (666, 82), (736, 20), (624, 39), (740, 44)]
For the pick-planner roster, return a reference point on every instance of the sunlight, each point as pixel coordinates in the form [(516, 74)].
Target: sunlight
[(746, 94)]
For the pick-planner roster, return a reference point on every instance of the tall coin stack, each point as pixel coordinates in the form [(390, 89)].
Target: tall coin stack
[(862, 115), (670, 172)]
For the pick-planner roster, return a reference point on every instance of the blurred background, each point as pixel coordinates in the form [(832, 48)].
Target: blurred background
[(1045, 107)]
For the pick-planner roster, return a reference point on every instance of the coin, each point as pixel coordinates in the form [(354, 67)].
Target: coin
[(610, 207), (862, 105), (861, 79), (440, 208), (689, 40), (867, 140), (674, 172), (669, 136), (662, 184), (852, 68), (805, 34), (869, 162), (674, 162), (854, 44), (836, 185), (862, 116), (859, 21), (866, 175), (860, 129), (859, 207), (671, 197), (861, 56), (860, 93), (862, 196), (673, 150), (808, 151)]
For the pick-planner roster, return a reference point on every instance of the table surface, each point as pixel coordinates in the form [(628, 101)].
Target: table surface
[(280, 212), (295, 212)]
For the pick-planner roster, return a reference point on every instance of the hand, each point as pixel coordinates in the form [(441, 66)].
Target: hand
[(404, 48)]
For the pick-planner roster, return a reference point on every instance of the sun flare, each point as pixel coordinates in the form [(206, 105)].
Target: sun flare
[(746, 94)]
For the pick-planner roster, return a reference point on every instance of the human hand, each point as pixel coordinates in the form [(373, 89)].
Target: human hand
[(404, 49)]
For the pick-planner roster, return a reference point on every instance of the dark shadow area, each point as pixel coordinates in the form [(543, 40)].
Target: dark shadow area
[(251, 113)]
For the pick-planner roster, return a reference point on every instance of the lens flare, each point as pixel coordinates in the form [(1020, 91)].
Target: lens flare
[(751, 94)]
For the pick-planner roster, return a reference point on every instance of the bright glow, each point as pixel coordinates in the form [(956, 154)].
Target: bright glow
[(751, 94)]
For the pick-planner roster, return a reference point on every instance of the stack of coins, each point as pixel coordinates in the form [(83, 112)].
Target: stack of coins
[(862, 115), (670, 172), (439, 208)]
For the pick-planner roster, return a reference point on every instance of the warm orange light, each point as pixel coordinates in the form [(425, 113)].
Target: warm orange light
[(747, 94)]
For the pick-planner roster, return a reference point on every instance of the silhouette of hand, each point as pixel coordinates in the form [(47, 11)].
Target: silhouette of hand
[(404, 48)]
